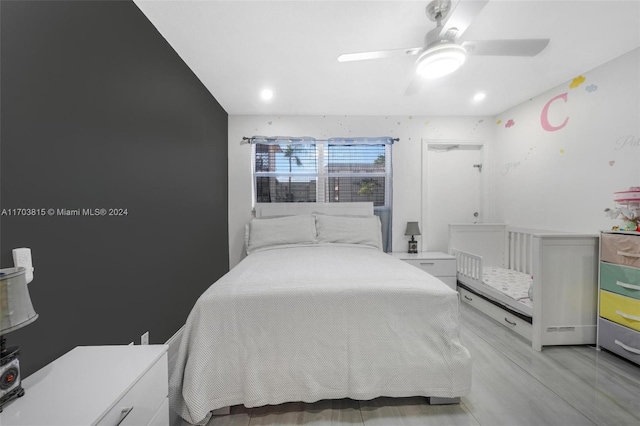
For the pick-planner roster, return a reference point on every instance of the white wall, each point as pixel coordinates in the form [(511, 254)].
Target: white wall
[(556, 178), (564, 177), (407, 188)]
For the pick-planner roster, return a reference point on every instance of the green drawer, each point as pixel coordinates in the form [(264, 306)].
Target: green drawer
[(620, 279)]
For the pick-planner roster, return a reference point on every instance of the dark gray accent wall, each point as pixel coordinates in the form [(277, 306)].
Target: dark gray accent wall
[(98, 111)]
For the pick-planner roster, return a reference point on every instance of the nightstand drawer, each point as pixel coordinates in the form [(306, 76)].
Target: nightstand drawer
[(618, 279), (436, 267), (619, 339), (141, 403), (162, 415)]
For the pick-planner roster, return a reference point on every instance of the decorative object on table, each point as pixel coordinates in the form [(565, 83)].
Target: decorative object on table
[(16, 311), (627, 209), (412, 229)]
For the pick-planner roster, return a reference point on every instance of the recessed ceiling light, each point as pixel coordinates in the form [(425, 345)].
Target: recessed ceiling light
[(266, 94), (479, 96)]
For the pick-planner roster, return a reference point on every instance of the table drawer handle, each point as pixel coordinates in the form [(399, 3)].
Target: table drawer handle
[(629, 286), (509, 322), (427, 263), (123, 414), (627, 316), (628, 254), (627, 348), (467, 297)]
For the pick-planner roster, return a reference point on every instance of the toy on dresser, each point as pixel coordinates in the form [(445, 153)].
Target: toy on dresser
[(627, 209)]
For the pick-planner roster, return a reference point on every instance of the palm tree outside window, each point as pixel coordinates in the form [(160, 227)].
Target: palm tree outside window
[(328, 171)]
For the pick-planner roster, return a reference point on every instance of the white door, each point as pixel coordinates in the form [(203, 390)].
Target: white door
[(453, 191)]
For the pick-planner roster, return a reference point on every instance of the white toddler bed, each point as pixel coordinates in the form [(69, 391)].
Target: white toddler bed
[(318, 311), (541, 284)]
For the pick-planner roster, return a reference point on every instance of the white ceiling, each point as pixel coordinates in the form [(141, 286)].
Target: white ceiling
[(237, 48)]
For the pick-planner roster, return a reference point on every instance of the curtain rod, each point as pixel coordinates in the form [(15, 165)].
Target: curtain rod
[(309, 139)]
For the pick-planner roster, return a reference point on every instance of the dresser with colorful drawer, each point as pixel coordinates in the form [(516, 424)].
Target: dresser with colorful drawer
[(619, 294)]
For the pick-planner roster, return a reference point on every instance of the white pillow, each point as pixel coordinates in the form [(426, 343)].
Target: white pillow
[(279, 231), (365, 230)]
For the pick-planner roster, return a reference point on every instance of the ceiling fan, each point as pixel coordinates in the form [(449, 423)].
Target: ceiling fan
[(443, 51)]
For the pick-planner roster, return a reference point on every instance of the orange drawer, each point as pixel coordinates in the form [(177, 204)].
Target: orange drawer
[(620, 249)]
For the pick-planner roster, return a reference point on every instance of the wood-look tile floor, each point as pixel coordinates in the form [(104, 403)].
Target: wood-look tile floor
[(512, 385)]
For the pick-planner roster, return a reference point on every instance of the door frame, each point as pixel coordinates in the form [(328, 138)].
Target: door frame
[(447, 144)]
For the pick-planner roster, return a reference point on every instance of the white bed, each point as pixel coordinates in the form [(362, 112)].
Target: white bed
[(497, 265), (304, 321)]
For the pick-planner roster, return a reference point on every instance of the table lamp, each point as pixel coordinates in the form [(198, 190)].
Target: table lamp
[(412, 229), (16, 311)]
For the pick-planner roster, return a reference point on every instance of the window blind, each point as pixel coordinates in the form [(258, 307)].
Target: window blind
[(303, 169)]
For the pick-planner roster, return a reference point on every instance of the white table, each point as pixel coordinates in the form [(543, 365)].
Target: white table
[(96, 385)]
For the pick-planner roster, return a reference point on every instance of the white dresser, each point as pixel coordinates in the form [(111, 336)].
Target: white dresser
[(619, 294), (96, 385), (440, 265)]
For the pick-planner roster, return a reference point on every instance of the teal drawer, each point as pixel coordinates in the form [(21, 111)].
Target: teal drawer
[(620, 279)]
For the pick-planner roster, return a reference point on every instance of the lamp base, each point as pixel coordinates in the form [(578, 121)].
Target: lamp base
[(10, 379), (413, 246)]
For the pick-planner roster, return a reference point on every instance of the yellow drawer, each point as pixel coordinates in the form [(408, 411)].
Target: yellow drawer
[(620, 309)]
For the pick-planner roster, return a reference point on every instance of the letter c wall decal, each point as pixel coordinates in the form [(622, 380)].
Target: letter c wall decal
[(544, 116)]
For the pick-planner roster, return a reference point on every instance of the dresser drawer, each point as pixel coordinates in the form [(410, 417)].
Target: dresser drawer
[(620, 249), (619, 339), (623, 280), (162, 415), (620, 309), (436, 267), (141, 403)]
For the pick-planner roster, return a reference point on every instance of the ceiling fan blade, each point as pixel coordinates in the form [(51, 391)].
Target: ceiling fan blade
[(414, 86), (461, 17), (524, 47), (348, 57)]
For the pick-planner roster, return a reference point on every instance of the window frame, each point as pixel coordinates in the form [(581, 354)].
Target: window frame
[(322, 174)]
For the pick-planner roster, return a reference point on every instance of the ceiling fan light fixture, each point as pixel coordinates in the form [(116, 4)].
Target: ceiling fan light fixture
[(441, 60), (266, 94)]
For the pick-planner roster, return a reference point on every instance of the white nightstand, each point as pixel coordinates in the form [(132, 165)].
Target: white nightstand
[(441, 265), (96, 385)]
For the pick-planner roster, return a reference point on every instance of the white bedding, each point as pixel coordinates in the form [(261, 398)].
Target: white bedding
[(319, 322)]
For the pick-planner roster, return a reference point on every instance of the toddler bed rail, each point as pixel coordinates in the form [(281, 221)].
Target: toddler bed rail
[(469, 266), (564, 267)]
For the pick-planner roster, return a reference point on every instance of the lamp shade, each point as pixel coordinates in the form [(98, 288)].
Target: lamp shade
[(412, 228), (16, 309)]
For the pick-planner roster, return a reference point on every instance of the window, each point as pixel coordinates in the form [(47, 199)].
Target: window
[(331, 171), (285, 172), (356, 173)]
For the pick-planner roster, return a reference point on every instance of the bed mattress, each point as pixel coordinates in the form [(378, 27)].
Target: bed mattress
[(511, 283), (311, 323), (504, 286)]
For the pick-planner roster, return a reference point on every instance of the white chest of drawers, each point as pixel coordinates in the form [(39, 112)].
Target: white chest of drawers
[(96, 385), (619, 294), (440, 265)]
